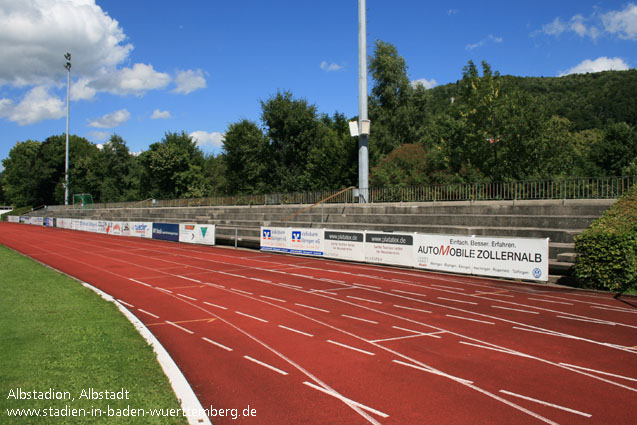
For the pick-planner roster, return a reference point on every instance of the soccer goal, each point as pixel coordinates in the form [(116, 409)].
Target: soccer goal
[(82, 200)]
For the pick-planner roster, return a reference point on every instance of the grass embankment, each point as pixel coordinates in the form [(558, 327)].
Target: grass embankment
[(56, 334)]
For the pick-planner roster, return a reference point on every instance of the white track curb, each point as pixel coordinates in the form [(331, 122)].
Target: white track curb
[(185, 394)]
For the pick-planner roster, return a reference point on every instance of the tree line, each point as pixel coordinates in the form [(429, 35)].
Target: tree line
[(484, 127)]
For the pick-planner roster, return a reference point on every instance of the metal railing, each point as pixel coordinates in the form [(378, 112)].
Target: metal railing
[(572, 188)]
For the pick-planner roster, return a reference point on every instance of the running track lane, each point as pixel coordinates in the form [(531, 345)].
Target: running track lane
[(318, 341)]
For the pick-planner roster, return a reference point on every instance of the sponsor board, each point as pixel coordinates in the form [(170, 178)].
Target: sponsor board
[(141, 229), (197, 233), (126, 229), (37, 221), (344, 245), (389, 248), (25, 219), (102, 226), (306, 241), (13, 218), (49, 222), (166, 231), (443, 253), (275, 239), (114, 228), (516, 258)]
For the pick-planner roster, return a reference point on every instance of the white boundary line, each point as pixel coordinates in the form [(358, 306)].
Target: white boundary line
[(179, 327), (277, 370), (178, 382), (350, 347), (149, 313), (544, 403), (252, 317), (216, 343), (295, 330)]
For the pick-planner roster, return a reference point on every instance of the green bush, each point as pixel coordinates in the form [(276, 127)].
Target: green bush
[(607, 251)]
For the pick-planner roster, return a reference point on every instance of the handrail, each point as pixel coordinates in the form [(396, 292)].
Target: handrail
[(319, 202)]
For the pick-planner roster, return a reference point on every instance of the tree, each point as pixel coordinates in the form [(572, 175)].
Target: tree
[(18, 182), (173, 168), (617, 150), (246, 159)]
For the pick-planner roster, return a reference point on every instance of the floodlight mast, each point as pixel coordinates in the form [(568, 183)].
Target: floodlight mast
[(363, 121), (68, 110)]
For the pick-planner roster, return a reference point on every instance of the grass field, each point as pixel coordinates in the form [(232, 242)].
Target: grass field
[(58, 338)]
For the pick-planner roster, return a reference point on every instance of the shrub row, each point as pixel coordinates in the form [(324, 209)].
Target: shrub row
[(607, 251)]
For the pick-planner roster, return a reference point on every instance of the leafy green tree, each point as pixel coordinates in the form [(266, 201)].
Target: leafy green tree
[(173, 168), (246, 159), (617, 150), (18, 182)]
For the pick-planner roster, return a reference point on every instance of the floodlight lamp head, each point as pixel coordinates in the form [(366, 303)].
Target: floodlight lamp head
[(67, 57), (68, 66)]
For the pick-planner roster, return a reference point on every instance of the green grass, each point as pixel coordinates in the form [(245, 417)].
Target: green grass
[(55, 333)]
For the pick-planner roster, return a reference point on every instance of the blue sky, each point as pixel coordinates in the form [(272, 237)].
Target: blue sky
[(143, 68)]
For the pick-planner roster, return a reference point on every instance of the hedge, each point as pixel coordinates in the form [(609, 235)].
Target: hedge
[(607, 251)]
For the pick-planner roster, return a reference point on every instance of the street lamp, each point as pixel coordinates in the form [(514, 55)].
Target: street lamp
[(363, 121), (68, 110)]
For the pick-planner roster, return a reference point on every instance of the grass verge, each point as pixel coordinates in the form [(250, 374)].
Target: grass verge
[(59, 338)]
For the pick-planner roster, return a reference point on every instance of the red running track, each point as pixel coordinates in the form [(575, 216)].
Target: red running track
[(315, 341)]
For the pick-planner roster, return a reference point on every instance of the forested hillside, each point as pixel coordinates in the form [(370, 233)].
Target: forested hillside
[(484, 127)]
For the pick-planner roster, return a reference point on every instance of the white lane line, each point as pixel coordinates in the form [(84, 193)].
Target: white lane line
[(140, 282), (549, 301), (472, 320), (295, 330), (346, 400), (215, 305), (544, 403), (350, 347), (272, 299), (125, 303), (290, 286), (457, 301), (189, 278), (600, 372), (367, 286), (408, 330), (447, 287), (261, 280), (215, 285), (165, 290), (515, 309), (179, 327), (252, 317), (312, 308), (243, 292), (407, 292), (216, 343), (364, 299), (299, 275), (505, 351), (149, 313), (411, 308), (434, 371), (277, 370), (618, 309), (358, 318), (186, 296), (324, 279), (599, 322)]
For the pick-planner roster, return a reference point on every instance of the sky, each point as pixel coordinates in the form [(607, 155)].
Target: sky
[(144, 68)]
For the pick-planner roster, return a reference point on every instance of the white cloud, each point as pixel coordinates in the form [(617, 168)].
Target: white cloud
[(189, 81), (204, 138), (490, 39), (428, 84), (37, 34), (99, 136), (111, 120), (623, 23), (452, 12), (329, 67), (136, 80), (36, 105), (597, 65), (160, 115)]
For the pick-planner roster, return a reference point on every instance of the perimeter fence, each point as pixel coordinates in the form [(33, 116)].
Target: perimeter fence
[(571, 188)]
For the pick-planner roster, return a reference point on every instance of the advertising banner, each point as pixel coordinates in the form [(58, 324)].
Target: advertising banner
[(275, 239), (126, 229), (444, 253), (306, 241), (13, 218), (49, 222), (197, 233), (37, 221), (102, 226), (141, 229), (166, 231), (389, 248), (344, 245), (114, 228), (517, 258)]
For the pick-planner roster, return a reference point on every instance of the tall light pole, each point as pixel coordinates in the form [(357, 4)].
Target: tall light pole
[(68, 111), (363, 121)]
